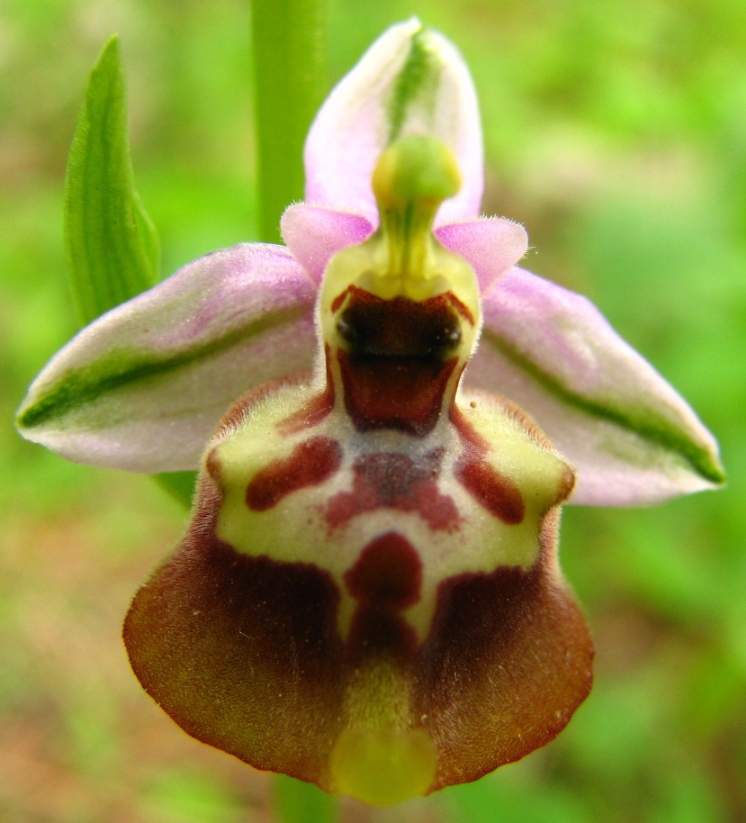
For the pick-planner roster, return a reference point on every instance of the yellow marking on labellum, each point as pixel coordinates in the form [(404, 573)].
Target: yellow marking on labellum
[(380, 757), (383, 766), (306, 526), (370, 570)]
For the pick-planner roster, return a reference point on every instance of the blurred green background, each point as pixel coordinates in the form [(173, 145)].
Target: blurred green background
[(616, 131)]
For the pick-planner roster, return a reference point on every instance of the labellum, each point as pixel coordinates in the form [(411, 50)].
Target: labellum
[(368, 595)]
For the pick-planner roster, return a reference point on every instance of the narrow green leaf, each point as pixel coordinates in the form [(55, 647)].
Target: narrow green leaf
[(111, 244), (289, 46), (148, 233), (299, 802)]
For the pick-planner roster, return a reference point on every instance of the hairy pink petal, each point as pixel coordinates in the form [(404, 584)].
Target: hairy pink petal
[(491, 245), (315, 233), (631, 437), (143, 387)]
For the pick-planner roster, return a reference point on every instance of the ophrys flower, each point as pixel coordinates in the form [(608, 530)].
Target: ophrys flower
[(368, 595)]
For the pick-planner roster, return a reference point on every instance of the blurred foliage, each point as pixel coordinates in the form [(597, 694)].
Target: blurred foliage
[(616, 132)]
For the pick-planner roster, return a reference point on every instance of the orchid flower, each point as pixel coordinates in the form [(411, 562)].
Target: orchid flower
[(368, 595)]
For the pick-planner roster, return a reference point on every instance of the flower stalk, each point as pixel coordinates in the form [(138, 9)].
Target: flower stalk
[(288, 40)]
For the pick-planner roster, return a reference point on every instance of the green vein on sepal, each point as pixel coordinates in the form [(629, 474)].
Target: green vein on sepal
[(649, 426), (417, 82), (112, 245), (122, 367)]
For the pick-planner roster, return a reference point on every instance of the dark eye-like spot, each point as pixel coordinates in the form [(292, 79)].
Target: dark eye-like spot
[(372, 327), (346, 330), (446, 339)]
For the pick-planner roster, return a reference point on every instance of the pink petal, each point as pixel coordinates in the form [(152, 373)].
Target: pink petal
[(410, 81), (143, 387), (631, 437), (491, 245), (315, 233)]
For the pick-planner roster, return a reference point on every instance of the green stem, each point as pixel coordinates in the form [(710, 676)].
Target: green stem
[(289, 48)]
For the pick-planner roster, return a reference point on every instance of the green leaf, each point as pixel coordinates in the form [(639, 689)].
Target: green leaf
[(112, 246), (111, 243)]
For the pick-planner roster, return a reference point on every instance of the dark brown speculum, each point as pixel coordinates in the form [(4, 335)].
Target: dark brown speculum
[(397, 358)]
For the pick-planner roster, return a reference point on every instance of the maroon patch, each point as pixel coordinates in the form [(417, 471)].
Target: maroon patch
[(380, 633), (396, 359), (447, 299), (311, 462), (386, 579), (460, 307), (313, 412), (395, 481), (497, 493), (340, 298), (394, 393), (506, 663), (243, 653), (402, 327), (388, 573), (466, 430)]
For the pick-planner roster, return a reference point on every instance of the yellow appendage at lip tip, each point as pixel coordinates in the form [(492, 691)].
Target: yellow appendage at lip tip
[(383, 766)]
